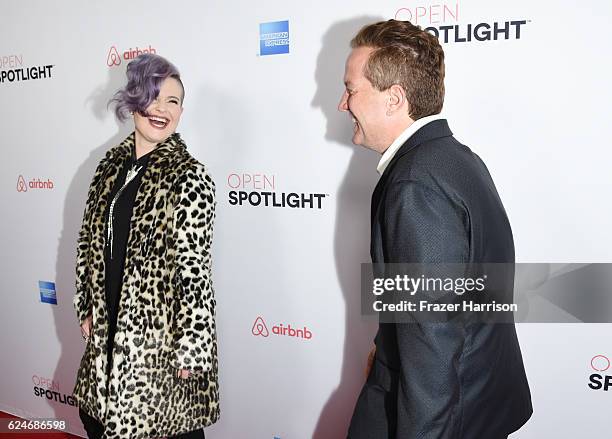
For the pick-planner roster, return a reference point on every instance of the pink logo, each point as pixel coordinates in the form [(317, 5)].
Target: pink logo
[(600, 363), (21, 184), (113, 59), (260, 328)]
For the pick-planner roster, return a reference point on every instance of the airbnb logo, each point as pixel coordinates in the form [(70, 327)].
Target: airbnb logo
[(21, 184), (260, 328), (114, 57), (35, 183)]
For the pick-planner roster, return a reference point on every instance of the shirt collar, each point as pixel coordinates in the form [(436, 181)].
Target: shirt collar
[(406, 134)]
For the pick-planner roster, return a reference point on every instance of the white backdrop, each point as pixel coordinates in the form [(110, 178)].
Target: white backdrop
[(535, 108)]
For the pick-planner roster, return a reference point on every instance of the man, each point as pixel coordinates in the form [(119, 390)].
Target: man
[(435, 202)]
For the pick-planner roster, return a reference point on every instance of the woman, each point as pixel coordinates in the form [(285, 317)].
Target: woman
[(144, 294)]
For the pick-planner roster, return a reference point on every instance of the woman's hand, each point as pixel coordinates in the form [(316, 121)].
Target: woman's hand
[(182, 373), (86, 327)]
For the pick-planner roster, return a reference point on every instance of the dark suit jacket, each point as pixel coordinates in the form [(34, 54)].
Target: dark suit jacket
[(436, 203)]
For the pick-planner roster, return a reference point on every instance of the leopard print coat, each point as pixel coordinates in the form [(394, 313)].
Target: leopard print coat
[(166, 318)]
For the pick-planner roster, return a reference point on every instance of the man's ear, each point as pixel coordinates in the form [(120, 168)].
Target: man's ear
[(396, 100)]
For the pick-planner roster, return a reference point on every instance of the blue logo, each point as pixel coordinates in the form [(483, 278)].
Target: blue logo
[(47, 292), (274, 38)]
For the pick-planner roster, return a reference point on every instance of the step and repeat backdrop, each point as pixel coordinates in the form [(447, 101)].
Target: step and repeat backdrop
[(527, 89)]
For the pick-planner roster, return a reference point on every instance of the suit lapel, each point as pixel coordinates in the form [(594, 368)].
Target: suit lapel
[(433, 130)]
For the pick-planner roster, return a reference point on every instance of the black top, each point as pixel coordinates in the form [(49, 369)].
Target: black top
[(122, 215)]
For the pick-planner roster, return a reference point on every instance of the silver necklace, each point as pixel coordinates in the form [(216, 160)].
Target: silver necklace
[(132, 172)]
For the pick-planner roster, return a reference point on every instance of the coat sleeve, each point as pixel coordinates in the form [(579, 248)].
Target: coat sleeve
[(82, 298), (194, 338), (423, 225)]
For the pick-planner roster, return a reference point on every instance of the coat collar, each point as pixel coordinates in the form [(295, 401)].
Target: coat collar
[(433, 130), (162, 153)]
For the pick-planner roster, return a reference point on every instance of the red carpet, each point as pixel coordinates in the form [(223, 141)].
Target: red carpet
[(50, 434)]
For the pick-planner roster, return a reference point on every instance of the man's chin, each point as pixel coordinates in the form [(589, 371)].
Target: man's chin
[(359, 141)]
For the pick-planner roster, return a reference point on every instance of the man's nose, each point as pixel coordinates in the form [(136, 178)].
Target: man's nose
[(343, 104)]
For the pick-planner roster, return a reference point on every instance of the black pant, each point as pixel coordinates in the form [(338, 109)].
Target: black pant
[(94, 429)]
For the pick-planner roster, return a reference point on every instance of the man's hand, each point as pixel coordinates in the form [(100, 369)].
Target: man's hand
[(86, 327), (370, 362)]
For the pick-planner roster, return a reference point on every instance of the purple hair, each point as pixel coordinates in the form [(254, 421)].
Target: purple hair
[(145, 74)]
